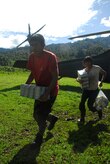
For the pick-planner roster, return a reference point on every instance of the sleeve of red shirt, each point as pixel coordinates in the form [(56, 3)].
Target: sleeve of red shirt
[(53, 64)]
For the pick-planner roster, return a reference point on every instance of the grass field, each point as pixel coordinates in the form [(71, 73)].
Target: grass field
[(67, 143)]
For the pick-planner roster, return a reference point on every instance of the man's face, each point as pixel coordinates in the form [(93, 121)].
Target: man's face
[(87, 64), (36, 47)]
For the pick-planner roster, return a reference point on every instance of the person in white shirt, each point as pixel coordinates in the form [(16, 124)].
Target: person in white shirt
[(94, 72)]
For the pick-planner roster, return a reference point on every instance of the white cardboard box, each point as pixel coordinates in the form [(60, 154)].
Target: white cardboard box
[(82, 75), (31, 91)]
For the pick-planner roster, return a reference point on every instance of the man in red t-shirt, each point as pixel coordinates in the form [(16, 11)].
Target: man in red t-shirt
[(44, 70)]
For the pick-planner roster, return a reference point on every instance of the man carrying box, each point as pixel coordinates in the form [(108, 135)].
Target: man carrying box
[(44, 70), (91, 92)]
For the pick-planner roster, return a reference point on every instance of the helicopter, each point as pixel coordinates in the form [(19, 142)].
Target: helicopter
[(69, 68), (29, 34)]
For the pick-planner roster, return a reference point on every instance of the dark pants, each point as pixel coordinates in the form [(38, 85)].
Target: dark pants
[(42, 112), (91, 96)]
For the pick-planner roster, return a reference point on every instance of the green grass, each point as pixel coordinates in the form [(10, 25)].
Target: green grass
[(67, 143)]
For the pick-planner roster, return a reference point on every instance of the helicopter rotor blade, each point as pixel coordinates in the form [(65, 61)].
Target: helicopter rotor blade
[(38, 30), (22, 43), (29, 30), (30, 35), (97, 33)]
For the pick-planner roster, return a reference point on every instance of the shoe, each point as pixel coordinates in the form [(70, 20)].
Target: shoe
[(52, 123), (99, 114), (39, 139)]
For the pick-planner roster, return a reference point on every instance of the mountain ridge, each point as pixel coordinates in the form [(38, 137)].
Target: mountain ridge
[(64, 51)]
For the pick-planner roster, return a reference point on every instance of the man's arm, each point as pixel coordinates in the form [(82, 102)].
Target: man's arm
[(53, 82), (79, 80), (103, 74), (51, 86), (30, 79)]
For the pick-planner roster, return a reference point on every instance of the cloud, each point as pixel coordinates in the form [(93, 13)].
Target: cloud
[(62, 18), (105, 21), (11, 41)]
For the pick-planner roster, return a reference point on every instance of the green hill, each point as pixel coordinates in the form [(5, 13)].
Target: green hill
[(64, 51)]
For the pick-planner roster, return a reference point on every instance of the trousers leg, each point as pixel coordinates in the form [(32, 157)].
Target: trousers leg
[(91, 100), (42, 113), (82, 104), (41, 121), (50, 116)]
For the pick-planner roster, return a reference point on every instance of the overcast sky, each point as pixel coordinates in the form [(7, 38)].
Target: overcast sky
[(63, 19)]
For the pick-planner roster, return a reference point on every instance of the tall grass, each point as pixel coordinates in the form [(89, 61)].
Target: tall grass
[(67, 143)]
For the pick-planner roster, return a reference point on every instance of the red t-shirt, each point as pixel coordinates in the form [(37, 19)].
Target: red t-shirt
[(42, 67)]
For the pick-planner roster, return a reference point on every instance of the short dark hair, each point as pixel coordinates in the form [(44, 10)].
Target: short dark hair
[(88, 59), (37, 37)]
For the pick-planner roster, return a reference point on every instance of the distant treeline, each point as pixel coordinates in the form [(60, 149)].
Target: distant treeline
[(64, 51)]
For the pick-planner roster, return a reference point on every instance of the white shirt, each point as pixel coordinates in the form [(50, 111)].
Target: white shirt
[(93, 75)]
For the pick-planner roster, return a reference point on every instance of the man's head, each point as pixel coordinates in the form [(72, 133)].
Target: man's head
[(87, 62), (38, 38), (37, 43)]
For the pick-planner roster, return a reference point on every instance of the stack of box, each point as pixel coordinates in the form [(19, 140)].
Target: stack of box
[(83, 76), (32, 91)]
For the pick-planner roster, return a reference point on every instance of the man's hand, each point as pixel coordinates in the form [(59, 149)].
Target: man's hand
[(100, 84), (44, 97), (79, 80)]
